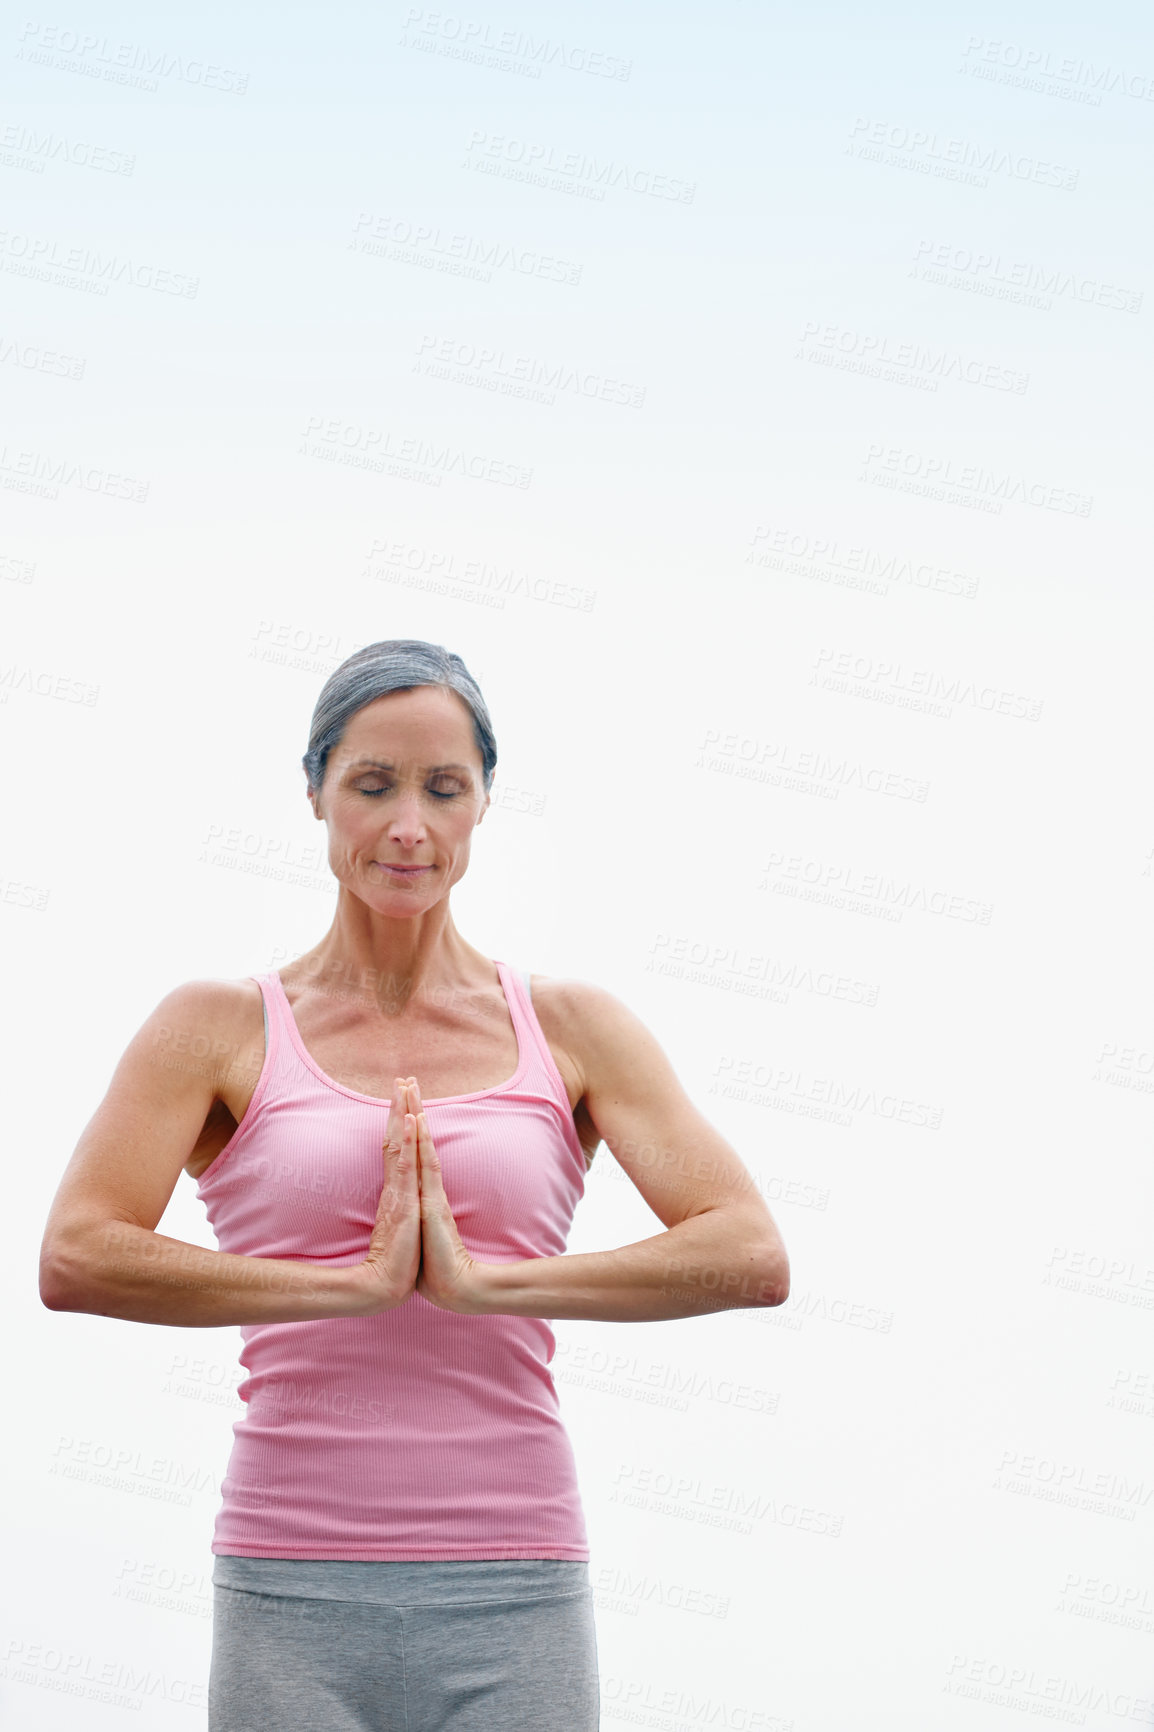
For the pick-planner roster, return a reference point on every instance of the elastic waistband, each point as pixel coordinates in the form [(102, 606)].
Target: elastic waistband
[(409, 1582)]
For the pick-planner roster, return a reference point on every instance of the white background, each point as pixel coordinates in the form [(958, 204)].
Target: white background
[(817, 643)]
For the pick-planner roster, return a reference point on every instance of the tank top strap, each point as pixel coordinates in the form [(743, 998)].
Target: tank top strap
[(515, 983), (283, 1042), (530, 1034), (275, 1008)]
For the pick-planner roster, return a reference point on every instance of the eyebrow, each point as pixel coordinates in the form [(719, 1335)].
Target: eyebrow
[(383, 764)]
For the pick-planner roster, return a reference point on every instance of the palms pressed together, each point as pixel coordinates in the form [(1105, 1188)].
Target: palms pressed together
[(415, 1244)]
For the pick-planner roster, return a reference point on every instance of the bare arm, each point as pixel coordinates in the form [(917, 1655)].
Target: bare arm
[(100, 1251), (708, 1263), (721, 1249)]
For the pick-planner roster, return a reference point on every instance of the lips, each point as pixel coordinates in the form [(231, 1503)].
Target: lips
[(402, 871)]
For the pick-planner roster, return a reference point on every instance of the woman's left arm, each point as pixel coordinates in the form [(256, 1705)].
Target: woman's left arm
[(721, 1249)]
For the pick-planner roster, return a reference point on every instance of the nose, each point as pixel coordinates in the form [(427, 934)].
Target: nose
[(406, 820)]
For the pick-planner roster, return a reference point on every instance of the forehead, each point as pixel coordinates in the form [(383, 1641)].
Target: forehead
[(426, 723)]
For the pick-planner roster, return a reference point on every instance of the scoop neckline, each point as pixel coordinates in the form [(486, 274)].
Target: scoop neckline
[(306, 1056)]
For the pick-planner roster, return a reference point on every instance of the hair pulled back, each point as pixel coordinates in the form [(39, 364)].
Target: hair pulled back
[(393, 665)]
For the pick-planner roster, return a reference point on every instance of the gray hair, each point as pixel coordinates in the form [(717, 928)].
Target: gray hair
[(394, 665)]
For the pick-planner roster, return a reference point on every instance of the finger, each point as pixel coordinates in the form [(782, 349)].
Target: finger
[(396, 1107), (406, 1141), (427, 1159), (393, 1124), (413, 1168), (424, 1168)]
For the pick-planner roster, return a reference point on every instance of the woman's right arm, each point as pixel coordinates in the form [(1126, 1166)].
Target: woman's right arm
[(100, 1251)]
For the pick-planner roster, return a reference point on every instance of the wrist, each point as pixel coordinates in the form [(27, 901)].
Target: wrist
[(488, 1290), (356, 1291)]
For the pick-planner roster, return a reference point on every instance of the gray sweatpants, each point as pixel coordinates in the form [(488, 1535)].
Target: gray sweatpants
[(469, 1645)]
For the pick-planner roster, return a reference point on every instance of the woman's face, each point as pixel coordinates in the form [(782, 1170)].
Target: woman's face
[(403, 789)]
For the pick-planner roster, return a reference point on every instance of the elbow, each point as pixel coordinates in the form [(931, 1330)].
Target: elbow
[(53, 1289), (59, 1282), (774, 1285), (62, 1280)]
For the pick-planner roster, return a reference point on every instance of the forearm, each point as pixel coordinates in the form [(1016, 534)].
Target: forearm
[(705, 1263), (122, 1270)]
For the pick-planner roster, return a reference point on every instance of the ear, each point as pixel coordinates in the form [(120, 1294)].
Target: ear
[(484, 808)]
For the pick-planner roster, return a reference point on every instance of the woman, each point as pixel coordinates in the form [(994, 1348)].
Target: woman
[(400, 1542)]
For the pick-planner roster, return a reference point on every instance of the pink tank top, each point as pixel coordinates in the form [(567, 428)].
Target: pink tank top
[(416, 1433)]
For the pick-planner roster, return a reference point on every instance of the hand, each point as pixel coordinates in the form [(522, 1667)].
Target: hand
[(388, 1274), (449, 1276)]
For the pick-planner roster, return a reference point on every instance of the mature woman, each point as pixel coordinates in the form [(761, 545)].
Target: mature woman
[(400, 1543)]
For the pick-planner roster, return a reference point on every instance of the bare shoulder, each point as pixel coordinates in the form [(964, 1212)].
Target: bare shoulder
[(589, 1023), (571, 1012), (561, 1007), (220, 1004), (210, 1019)]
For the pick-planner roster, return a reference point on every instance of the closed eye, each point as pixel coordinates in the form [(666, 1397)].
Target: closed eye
[(437, 793)]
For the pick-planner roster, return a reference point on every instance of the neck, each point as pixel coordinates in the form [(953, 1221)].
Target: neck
[(392, 961)]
